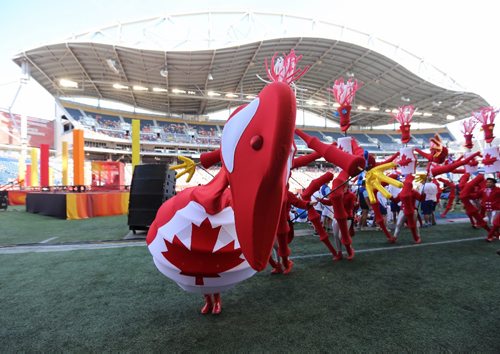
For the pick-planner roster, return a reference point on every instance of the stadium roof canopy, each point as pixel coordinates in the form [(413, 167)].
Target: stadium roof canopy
[(199, 63)]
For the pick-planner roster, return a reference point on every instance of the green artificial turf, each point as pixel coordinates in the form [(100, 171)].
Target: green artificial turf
[(427, 298), (20, 227)]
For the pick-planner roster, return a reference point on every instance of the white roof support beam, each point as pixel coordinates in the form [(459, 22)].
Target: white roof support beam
[(85, 73)]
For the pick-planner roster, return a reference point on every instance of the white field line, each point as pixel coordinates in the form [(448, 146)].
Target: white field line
[(391, 248), (49, 239), (63, 248)]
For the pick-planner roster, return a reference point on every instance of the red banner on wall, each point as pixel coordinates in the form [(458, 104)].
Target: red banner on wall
[(40, 131)]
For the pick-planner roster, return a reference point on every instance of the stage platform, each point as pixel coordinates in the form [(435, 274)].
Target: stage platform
[(17, 197), (74, 206)]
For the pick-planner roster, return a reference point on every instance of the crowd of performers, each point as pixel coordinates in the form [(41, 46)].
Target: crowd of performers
[(343, 208), (480, 198), (210, 237)]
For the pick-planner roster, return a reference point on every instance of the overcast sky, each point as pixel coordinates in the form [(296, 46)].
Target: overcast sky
[(460, 38)]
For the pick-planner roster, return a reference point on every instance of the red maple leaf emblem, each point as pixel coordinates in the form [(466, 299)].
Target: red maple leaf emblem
[(489, 160), (200, 261), (405, 161), (340, 147)]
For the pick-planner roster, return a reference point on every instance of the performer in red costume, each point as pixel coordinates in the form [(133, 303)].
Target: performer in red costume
[(313, 215), (490, 202), (451, 196), (341, 201), (285, 235), (467, 195), (408, 198)]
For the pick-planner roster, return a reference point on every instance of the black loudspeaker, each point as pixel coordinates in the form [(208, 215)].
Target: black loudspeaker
[(152, 184), (4, 200)]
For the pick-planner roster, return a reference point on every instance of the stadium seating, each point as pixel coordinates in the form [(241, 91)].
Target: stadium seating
[(333, 135), (76, 114), (382, 138), (8, 169)]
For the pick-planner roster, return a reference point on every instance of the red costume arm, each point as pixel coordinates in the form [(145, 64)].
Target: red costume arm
[(451, 166), (316, 185), (325, 201), (468, 189), (305, 160), (209, 159), (353, 165), (297, 202), (389, 159), (424, 154)]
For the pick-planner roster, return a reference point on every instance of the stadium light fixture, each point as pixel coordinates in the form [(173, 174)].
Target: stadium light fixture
[(175, 90), (68, 83), (140, 88), (112, 65), (336, 105), (191, 93), (387, 110), (427, 114), (250, 97), (417, 113), (361, 108), (210, 77), (159, 89), (450, 117), (405, 99), (213, 94), (120, 86), (231, 95), (164, 72), (374, 109)]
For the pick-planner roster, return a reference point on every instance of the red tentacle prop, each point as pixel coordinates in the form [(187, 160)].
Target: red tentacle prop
[(284, 69), (344, 94), (468, 127), (486, 116), (404, 116)]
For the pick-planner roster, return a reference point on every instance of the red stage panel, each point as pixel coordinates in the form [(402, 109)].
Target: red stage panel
[(89, 205), (17, 197)]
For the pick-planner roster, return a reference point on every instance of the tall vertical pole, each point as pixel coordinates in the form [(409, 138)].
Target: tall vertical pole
[(34, 167), (136, 144), (65, 177), (22, 158), (78, 158), (44, 165)]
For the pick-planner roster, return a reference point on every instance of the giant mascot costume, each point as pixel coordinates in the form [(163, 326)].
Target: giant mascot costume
[(210, 237)]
